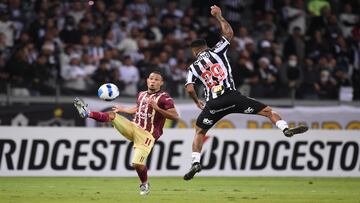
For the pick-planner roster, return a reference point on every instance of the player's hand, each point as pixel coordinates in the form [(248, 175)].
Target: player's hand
[(118, 108), (215, 11), (153, 104), (200, 104)]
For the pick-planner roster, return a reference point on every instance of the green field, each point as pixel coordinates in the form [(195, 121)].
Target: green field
[(174, 189)]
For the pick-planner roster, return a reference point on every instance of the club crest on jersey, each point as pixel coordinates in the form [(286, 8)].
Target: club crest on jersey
[(206, 121), (249, 110)]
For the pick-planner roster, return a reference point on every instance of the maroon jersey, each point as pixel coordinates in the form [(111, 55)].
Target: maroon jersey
[(149, 119)]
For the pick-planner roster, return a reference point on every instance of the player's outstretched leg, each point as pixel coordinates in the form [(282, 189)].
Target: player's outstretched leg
[(195, 168), (281, 124), (289, 132), (81, 107)]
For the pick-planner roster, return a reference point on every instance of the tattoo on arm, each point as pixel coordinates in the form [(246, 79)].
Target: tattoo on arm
[(226, 29)]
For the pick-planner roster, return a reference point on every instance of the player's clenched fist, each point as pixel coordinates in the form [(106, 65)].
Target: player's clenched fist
[(215, 11)]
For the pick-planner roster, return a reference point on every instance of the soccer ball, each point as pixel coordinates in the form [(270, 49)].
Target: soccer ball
[(108, 92)]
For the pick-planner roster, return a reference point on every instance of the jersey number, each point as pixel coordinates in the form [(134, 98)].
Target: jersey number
[(214, 71), (147, 141)]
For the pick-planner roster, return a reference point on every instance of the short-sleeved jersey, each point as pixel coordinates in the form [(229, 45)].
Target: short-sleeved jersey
[(149, 119), (213, 69)]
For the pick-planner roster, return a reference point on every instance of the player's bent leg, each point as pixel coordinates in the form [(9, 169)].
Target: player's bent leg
[(272, 115), (197, 146), (139, 163), (281, 124)]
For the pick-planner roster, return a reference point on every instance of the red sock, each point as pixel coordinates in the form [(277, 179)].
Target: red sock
[(142, 174), (100, 116)]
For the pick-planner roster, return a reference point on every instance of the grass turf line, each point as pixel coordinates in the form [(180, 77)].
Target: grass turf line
[(174, 189)]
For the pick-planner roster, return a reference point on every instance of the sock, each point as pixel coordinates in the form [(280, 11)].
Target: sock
[(100, 116), (142, 174), (195, 157), (281, 124)]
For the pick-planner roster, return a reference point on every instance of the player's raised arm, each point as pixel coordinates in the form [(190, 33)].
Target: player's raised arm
[(226, 29)]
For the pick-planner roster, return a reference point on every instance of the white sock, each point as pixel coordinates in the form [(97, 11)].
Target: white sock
[(195, 157), (281, 124)]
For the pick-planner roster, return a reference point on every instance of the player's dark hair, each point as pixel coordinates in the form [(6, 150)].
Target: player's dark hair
[(158, 73), (198, 43)]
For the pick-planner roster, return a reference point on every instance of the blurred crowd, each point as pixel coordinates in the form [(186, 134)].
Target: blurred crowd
[(305, 49)]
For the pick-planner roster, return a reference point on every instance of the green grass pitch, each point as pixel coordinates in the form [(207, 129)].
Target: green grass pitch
[(174, 189)]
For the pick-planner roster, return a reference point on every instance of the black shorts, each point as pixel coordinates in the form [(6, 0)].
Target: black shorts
[(231, 102)]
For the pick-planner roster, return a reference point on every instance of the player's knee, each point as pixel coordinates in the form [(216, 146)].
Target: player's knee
[(267, 111), (138, 166), (201, 131), (112, 115)]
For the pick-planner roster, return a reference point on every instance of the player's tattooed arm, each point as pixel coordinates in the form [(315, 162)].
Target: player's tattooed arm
[(226, 29)]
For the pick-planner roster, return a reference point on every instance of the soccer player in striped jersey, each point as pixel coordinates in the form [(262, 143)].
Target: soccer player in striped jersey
[(212, 68), (153, 107)]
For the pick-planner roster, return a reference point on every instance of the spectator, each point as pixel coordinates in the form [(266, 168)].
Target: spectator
[(172, 11), (129, 44), (103, 74), (70, 34), (88, 65), (232, 12), (77, 11), (97, 50), (40, 75), (326, 87), (356, 62), (317, 46), (308, 87), (5, 54), (295, 45), (19, 69), (294, 16), (319, 22), (152, 31), (292, 75), (268, 79), (245, 76), (242, 38), (348, 20), (315, 6), (7, 27), (74, 77), (129, 75)]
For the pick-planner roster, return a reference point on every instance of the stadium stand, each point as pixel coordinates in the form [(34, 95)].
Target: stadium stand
[(281, 49)]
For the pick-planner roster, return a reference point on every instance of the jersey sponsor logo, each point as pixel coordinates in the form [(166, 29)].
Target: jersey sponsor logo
[(206, 121), (214, 111), (249, 110), (217, 88), (143, 115)]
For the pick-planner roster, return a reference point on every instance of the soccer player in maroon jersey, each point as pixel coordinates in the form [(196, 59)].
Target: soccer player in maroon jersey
[(153, 107)]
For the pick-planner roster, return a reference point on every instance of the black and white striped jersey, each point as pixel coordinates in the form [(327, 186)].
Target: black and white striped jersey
[(213, 69)]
